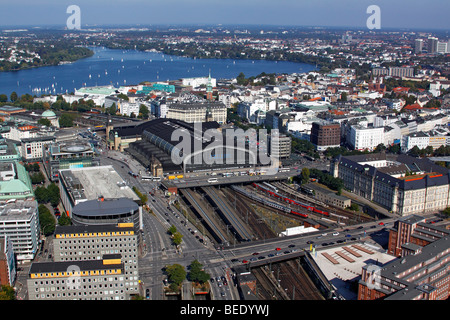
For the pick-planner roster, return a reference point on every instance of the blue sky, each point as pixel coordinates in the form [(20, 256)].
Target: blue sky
[(420, 14)]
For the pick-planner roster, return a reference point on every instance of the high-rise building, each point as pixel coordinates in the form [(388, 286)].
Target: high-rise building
[(418, 46), (325, 135), (93, 242), (432, 44), (442, 47), (78, 280), (19, 221)]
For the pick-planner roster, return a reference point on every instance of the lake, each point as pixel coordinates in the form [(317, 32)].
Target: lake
[(130, 67)]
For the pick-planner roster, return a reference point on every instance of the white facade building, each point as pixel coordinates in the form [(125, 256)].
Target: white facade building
[(362, 138)]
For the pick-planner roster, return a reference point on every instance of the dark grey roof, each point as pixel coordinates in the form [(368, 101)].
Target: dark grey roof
[(107, 207), (64, 266), (90, 228)]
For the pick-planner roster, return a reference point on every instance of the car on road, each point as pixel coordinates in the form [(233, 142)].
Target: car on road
[(291, 245), (244, 261), (278, 249), (255, 253), (309, 242), (381, 224), (324, 234), (335, 233)]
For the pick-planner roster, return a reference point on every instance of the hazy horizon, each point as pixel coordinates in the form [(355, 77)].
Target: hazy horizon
[(397, 14)]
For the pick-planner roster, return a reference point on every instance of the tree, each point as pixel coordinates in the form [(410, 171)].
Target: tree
[(53, 192), (176, 273), (46, 220), (64, 220), (13, 97), (7, 293), (143, 111), (3, 98), (172, 229), (177, 238), (65, 121), (305, 175), (196, 272)]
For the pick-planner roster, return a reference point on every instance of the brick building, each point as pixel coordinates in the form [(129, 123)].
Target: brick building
[(325, 135), (420, 273)]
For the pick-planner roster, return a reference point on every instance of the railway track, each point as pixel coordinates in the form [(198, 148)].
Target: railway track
[(228, 215), (334, 211)]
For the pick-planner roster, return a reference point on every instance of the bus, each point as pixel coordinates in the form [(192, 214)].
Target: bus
[(156, 179), (147, 178), (211, 180), (227, 174)]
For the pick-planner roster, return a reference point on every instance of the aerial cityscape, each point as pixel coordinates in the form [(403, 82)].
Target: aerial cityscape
[(192, 158)]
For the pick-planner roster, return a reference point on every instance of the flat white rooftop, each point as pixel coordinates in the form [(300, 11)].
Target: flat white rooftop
[(93, 182), (341, 272)]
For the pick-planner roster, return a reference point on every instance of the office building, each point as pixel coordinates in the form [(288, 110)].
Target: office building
[(78, 280), (191, 112), (442, 47), (402, 184), (32, 149), (432, 44), (92, 242), (418, 46), (365, 138), (420, 273), (105, 211), (19, 221), (325, 135), (76, 153), (401, 72)]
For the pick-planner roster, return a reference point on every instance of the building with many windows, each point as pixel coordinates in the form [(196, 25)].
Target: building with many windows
[(78, 280), (93, 242), (68, 154), (365, 138), (400, 183), (420, 273), (198, 111), (19, 221), (325, 135)]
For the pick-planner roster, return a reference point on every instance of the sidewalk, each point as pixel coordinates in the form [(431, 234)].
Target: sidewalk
[(367, 203)]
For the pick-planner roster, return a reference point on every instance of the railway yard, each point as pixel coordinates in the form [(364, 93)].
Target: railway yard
[(240, 214)]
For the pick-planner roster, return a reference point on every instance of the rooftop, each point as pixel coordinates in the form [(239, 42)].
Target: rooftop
[(93, 182)]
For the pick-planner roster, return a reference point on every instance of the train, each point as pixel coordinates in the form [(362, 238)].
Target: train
[(289, 200), (268, 202)]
